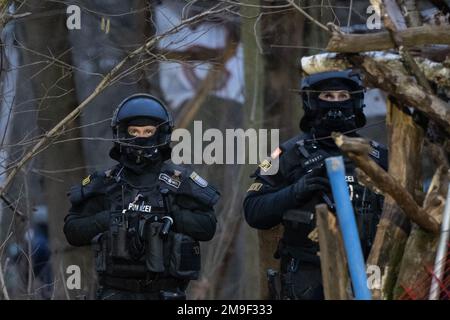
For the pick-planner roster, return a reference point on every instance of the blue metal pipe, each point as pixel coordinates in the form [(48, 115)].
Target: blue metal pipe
[(347, 223)]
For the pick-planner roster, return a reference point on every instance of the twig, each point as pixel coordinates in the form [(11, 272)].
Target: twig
[(2, 283), (393, 14), (11, 206), (296, 6), (5, 19), (350, 13)]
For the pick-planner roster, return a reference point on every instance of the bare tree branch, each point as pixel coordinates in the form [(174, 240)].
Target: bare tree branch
[(393, 13), (309, 17), (404, 89), (2, 284), (434, 71), (358, 149), (411, 37)]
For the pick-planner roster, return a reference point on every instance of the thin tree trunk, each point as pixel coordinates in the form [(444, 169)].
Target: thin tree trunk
[(257, 261), (52, 89), (280, 42)]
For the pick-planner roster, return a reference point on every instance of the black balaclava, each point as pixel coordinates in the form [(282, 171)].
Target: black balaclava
[(330, 116), (135, 153)]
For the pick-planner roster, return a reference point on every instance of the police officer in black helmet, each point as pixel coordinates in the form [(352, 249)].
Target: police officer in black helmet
[(332, 101), (145, 216)]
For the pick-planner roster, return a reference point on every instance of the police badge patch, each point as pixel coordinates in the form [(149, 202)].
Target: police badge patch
[(255, 187), (170, 181), (86, 181), (375, 153), (265, 165), (198, 180)]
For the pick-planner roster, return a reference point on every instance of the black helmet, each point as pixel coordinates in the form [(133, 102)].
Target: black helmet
[(312, 85), (142, 109)]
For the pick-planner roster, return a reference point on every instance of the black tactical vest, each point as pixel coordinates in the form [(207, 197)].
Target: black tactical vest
[(134, 246), (303, 154)]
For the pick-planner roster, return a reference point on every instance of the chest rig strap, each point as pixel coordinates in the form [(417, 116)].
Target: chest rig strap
[(311, 155), (144, 199)]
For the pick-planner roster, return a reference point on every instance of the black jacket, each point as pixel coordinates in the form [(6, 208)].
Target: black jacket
[(270, 200), (101, 193)]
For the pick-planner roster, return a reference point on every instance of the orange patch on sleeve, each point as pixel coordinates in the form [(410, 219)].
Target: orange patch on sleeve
[(276, 153)]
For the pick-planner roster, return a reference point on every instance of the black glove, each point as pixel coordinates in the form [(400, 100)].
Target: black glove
[(310, 184)]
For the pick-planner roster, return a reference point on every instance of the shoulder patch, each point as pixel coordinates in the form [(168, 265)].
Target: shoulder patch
[(93, 185), (86, 181), (175, 183), (265, 165), (255, 187), (198, 180), (374, 152)]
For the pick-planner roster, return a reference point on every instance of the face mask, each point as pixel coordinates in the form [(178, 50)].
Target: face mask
[(335, 116), (141, 150)]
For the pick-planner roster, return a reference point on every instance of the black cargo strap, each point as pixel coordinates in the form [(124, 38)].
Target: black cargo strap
[(141, 285)]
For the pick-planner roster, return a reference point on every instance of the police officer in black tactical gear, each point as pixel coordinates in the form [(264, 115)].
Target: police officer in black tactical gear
[(332, 101), (145, 216)]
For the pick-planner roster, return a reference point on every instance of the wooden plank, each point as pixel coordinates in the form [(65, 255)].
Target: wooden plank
[(332, 256)]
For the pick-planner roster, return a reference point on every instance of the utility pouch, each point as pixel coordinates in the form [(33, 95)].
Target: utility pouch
[(185, 259), (154, 249), (118, 237), (99, 253), (119, 265)]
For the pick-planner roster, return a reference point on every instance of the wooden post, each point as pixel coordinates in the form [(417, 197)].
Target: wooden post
[(332, 256), (405, 146), (405, 143)]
